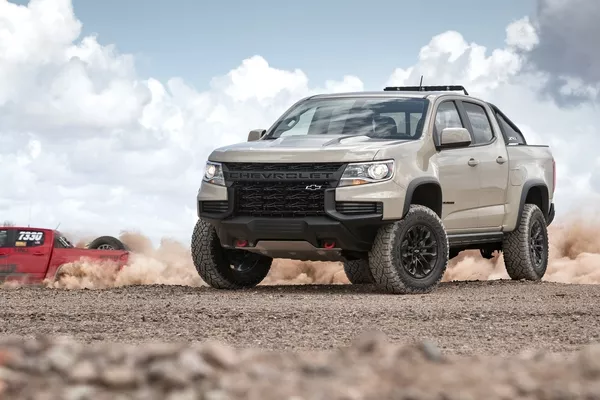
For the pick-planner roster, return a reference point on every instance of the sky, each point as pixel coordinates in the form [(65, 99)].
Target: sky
[(108, 110)]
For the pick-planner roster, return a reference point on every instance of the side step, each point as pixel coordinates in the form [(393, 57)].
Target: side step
[(470, 239)]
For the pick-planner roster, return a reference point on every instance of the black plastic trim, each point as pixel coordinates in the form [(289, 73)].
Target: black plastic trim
[(350, 232), (315, 230), (545, 198), (412, 186), (217, 216), (467, 239), (550, 214)]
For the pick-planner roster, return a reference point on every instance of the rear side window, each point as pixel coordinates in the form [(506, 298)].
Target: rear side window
[(482, 128), (511, 135), (4, 238), (29, 238)]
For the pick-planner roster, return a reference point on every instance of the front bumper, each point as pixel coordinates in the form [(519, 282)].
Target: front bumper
[(335, 231), (348, 232)]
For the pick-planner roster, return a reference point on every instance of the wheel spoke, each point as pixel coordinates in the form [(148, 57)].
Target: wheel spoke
[(418, 251), (536, 244)]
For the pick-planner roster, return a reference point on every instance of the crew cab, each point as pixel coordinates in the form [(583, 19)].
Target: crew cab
[(32, 255), (391, 183)]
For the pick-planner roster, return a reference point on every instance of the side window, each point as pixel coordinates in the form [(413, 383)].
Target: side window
[(447, 117), (29, 238), (4, 238), (512, 136), (482, 128)]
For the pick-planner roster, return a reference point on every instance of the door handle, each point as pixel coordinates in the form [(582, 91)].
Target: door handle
[(38, 253), (473, 162), (500, 160)]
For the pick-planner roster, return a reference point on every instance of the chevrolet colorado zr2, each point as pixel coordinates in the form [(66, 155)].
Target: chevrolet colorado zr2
[(391, 183)]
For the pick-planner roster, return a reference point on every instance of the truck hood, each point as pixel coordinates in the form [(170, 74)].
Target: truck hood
[(304, 148)]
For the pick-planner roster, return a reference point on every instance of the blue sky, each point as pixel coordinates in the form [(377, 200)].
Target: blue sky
[(198, 40)]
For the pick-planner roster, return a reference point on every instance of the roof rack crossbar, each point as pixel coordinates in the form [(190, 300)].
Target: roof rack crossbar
[(426, 88)]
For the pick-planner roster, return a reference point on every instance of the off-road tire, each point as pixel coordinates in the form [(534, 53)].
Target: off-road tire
[(385, 263), (516, 246), (213, 264), (358, 272), (111, 241)]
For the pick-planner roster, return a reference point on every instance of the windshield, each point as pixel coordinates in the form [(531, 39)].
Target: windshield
[(384, 118)]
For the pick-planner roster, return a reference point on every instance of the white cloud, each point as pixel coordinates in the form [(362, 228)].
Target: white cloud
[(85, 142)]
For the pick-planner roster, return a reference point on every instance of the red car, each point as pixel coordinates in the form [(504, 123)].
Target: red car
[(31, 255)]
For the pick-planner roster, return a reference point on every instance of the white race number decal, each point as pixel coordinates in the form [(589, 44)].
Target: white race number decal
[(30, 236)]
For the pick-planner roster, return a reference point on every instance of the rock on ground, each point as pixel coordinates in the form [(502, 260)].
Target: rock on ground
[(370, 368)]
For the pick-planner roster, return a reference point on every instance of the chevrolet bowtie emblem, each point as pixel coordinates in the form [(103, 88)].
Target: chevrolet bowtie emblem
[(313, 187)]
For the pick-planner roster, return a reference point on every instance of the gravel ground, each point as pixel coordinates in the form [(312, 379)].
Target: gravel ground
[(370, 369), (490, 317)]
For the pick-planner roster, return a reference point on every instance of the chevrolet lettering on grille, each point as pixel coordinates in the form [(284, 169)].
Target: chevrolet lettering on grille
[(274, 176)]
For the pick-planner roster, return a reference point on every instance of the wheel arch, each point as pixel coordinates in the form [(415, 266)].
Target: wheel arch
[(425, 191), (535, 191)]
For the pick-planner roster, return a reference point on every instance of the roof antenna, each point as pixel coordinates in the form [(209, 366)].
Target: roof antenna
[(29, 218), (421, 83), (57, 226)]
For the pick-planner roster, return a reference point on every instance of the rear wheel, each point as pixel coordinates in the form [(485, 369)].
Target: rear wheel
[(358, 272), (225, 268), (526, 248), (107, 243), (410, 255)]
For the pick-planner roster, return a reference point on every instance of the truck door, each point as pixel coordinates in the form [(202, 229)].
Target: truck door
[(458, 178), (5, 250), (32, 253), (493, 164)]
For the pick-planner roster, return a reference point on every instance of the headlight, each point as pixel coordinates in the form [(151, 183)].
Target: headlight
[(370, 172), (213, 173)]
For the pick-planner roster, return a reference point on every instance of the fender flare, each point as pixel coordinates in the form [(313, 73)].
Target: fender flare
[(527, 186), (413, 185)]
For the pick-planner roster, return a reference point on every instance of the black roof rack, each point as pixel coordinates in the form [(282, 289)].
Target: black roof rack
[(426, 88)]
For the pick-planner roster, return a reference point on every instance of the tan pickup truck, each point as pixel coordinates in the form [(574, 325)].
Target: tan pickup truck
[(391, 183)]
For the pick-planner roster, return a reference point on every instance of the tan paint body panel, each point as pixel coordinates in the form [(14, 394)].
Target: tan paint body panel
[(480, 198)]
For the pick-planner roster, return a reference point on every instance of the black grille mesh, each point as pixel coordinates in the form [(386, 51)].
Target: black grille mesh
[(279, 199)]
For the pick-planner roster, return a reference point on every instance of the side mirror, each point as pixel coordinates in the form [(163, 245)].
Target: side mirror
[(451, 138), (256, 134)]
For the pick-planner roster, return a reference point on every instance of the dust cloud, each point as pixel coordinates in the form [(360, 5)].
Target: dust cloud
[(169, 264), (574, 258)]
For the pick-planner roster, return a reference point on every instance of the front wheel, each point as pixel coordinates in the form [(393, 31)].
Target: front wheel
[(225, 268), (526, 248), (410, 255)]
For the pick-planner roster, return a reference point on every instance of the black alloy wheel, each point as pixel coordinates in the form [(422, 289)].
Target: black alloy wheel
[(418, 251)]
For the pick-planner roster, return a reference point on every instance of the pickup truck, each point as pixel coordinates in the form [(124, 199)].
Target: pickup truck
[(33, 255), (392, 183)]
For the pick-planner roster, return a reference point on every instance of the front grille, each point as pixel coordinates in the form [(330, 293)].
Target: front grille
[(284, 190), (279, 199), (358, 208), (214, 207)]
